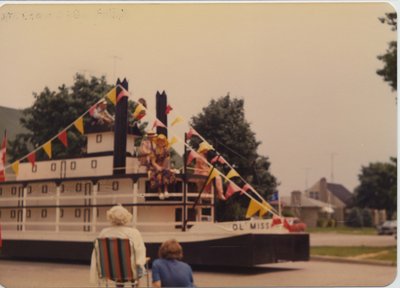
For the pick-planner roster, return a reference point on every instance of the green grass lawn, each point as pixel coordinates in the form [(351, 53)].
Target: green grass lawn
[(383, 253), (344, 230)]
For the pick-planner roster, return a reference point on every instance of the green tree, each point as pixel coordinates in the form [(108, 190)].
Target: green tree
[(51, 112), (378, 187), (224, 126), (389, 71)]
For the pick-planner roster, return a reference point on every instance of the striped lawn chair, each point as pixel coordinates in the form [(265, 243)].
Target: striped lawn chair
[(114, 262)]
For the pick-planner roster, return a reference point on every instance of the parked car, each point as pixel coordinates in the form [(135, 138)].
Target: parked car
[(387, 228), (296, 225)]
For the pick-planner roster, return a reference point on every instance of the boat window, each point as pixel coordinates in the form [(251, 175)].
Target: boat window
[(73, 165), (44, 213), (53, 167), (44, 189), (78, 187), (77, 213), (99, 138), (206, 211), (93, 164), (28, 213), (34, 168), (115, 185), (29, 189)]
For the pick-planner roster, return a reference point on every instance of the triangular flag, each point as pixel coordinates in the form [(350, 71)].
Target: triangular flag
[(263, 209), (191, 133), (32, 158), (214, 173), (232, 188), (218, 158), (276, 221), (123, 93), (253, 208), (158, 123), (177, 120), (112, 95), (173, 141), (140, 112), (168, 109), (47, 148), (245, 188), (232, 173), (79, 124), (92, 110), (15, 167), (63, 138)]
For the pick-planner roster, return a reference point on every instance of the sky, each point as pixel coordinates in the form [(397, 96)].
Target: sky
[(306, 71)]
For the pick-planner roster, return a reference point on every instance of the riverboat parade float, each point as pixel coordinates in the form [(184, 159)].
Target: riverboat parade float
[(54, 209)]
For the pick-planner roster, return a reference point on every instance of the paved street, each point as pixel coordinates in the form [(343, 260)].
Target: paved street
[(332, 239), (15, 274)]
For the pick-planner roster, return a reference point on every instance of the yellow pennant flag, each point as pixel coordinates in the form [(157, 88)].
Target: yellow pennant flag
[(79, 124), (253, 208), (173, 141), (232, 173), (213, 174), (177, 120), (112, 95), (139, 108), (264, 209), (15, 167), (47, 148)]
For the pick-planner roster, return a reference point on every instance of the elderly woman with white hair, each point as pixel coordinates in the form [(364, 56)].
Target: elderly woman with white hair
[(120, 218)]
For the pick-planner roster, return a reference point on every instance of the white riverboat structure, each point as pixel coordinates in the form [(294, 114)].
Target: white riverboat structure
[(54, 209)]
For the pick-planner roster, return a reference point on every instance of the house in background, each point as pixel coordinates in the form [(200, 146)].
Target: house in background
[(307, 209), (335, 195)]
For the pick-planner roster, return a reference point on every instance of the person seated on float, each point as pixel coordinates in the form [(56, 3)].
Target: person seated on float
[(101, 114), (160, 173), (169, 270), (120, 220), (146, 148), (203, 168)]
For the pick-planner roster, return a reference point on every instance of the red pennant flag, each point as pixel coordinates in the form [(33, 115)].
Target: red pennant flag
[(32, 158), (3, 157), (219, 158), (232, 188), (191, 133), (63, 138), (245, 188), (276, 221), (158, 123), (92, 110), (123, 93), (287, 225), (168, 109)]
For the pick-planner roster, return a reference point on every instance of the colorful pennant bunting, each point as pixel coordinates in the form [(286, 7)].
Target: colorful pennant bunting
[(112, 95), (79, 125), (263, 209), (123, 93), (32, 158), (92, 110), (158, 123), (276, 221), (191, 133), (173, 141), (177, 120), (231, 189), (47, 149), (218, 158), (245, 188), (232, 174), (214, 173), (63, 137), (15, 167), (168, 109), (140, 112), (253, 208)]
